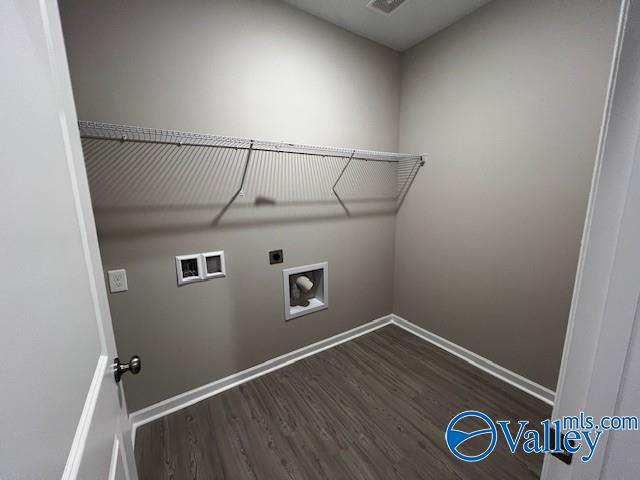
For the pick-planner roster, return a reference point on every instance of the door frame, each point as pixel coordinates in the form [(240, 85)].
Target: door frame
[(607, 284)]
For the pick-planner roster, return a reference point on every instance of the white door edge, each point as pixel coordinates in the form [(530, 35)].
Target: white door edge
[(80, 438), (115, 454)]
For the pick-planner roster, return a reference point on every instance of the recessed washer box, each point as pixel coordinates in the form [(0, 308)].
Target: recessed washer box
[(308, 302)]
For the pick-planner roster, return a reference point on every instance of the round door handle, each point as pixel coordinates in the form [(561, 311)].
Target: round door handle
[(119, 368)]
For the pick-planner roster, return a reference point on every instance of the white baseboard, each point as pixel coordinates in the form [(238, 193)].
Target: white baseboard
[(512, 378), (173, 404), (185, 399)]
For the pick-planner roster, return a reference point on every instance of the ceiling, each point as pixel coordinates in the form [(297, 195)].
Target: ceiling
[(411, 23)]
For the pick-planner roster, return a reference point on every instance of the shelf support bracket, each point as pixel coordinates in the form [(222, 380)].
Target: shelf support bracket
[(333, 189), (240, 190)]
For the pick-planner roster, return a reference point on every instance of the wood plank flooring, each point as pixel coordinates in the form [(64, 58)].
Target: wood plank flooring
[(375, 407)]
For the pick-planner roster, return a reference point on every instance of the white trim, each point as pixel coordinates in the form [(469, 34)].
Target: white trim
[(173, 404), (593, 195), (115, 455), (185, 399), (80, 438), (484, 364), (568, 398)]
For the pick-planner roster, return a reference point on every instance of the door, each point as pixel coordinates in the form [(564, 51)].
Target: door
[(62, 415), (598, 374)]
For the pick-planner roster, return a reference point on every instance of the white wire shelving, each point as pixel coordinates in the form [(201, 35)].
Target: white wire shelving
[(129, 165)]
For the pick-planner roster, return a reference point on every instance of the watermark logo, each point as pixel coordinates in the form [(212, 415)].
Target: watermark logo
[(580, 433), (456, 437)]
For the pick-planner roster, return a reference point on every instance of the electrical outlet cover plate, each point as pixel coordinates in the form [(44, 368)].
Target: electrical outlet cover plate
[(118, 280)]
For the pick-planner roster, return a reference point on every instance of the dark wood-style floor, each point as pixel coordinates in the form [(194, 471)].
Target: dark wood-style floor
[(375, 407)]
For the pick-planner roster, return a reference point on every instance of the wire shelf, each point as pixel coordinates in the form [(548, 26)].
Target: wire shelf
[(140, 167)]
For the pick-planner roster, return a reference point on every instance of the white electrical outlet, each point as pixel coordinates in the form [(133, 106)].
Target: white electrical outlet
[(118, 280)]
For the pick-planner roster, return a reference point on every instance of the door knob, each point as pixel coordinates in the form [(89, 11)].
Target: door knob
[(134, 366)]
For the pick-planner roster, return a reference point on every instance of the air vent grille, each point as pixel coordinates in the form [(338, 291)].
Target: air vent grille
[(386, 7)]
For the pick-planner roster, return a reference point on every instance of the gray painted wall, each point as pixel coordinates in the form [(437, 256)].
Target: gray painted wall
[(256, 69), (253, 68), (508, 104)]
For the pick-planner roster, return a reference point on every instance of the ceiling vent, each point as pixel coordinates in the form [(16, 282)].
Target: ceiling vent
[(386, 7)]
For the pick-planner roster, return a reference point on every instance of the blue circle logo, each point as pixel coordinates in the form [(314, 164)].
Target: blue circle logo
[(455, 438)]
